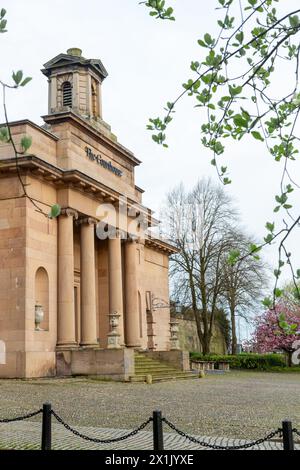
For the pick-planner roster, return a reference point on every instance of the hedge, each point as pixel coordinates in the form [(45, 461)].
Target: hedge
[(245, 360)]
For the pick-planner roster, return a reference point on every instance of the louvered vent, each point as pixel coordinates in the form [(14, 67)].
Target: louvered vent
[(67, 94)]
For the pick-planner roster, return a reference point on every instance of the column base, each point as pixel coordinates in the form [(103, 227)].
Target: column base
[(64, 346), (136, 346), (89, 346)]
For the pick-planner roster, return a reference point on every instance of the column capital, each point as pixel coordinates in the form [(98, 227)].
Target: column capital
[(87, 221), (69, 212), (121, 234), (132, 238)]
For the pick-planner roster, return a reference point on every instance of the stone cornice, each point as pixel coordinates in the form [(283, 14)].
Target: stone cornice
[(161, 245), (101, 138), (73, 179), (27, 122)]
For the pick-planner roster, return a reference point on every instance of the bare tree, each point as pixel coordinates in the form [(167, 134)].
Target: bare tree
[(243, 284), (200, 222)]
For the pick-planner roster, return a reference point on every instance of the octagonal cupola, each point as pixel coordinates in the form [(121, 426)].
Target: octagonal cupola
[(75, 84)]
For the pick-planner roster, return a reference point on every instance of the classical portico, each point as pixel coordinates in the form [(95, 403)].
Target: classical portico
[(76, 290), (125, 253)]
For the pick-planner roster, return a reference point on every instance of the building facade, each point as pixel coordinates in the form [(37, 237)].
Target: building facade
[(77, 290)]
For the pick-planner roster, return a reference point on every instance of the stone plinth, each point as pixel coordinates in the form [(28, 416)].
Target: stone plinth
[(115, 364)]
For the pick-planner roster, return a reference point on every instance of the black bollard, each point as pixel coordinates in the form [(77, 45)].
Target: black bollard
[(287, 435), (46, 427), (158, 437)]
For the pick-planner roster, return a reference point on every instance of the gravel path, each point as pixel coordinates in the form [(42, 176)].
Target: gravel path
[(243, 405)]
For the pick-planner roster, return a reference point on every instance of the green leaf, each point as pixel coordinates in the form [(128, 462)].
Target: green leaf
[(226, 181), (267, 302), (17, 77), (239, 121), (201, 43), (240, 37), (233, 257), (294, 21), (281, 317), (269, 238), (270, 226), (208, 39), (25, 81), (55, 211), (4, 134), (254, 248), (257, 135), (278, 293), (26, 143), (235, 90)]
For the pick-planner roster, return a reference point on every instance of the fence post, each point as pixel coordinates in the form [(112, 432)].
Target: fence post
[(287, 435), (46, 427), (158, 437)]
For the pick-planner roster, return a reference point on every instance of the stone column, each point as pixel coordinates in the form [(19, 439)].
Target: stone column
[(89, 103), (115, 282), (76, 92), (66, 313), (88, 283), (131, 295), (53, 95)]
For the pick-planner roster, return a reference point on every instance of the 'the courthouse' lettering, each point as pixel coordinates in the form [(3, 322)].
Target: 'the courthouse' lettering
[(100, 161)]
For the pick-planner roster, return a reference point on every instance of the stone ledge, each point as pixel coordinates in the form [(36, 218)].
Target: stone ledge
[(116, 364)]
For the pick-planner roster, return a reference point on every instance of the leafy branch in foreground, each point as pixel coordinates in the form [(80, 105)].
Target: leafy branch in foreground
[(233, 84), (18, 80), (159, 10)]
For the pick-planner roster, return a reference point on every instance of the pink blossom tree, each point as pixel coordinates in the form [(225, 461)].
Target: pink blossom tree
[(277, 329)]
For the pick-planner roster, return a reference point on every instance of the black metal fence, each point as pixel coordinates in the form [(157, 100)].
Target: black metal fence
[(285, 433)]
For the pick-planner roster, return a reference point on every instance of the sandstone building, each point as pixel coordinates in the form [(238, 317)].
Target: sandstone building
[(72, 300)]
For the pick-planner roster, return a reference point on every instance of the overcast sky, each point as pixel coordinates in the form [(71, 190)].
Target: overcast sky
[(147, 61)]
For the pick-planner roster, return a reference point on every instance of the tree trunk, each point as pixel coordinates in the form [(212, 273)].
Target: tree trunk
[(233, 332), (289, 358), (206, 345)]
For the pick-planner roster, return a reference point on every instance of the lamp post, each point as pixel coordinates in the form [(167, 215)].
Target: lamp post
[(157, 304)]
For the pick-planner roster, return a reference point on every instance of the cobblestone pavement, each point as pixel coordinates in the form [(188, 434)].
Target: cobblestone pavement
[(27, 435), (238, 405)]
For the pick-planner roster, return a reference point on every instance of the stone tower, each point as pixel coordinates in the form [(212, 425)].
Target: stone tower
[(75, 86)]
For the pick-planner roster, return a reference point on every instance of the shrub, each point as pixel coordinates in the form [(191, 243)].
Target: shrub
[(245, 360)]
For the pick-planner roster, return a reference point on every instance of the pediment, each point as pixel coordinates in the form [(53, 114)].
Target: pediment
[(63, 60), (60, 60)]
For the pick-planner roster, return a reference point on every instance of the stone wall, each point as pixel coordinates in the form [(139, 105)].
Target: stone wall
[(189, 341)]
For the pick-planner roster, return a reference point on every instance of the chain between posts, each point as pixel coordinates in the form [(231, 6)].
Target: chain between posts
[(101, 441), (217, 447), (21, 418), (286, 432)]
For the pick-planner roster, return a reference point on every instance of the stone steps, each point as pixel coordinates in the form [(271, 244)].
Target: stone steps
[(163, 378), (159, 371)]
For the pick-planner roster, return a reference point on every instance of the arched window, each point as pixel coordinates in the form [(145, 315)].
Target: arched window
[(42, 296), (67, 94)]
